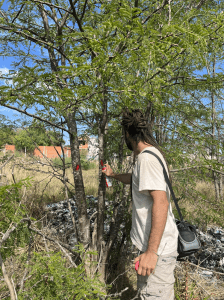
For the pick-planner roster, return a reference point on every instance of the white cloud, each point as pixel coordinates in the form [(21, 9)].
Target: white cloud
[(4, 71)]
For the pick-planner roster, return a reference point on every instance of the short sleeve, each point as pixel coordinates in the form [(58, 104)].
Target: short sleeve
[(150, 176)]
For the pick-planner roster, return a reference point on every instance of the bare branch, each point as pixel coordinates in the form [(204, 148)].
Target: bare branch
[(75, 16), (27, 263), (117, 294), (9, 231), (84, 9), (13, 295), (1, 167), (53, 5), (69, 248), (33, 39), (18, 13), (165, 2), (34, 116), (197, 167), (67, 255)]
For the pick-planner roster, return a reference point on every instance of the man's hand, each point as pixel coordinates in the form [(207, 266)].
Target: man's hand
[(125, 178), (109, 172), (147, 263)]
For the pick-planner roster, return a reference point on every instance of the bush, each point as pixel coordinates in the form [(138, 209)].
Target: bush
[(51, 278), (57, 162), (11, 212), (86, 164)]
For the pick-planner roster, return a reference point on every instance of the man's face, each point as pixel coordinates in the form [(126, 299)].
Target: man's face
[(128, 142)]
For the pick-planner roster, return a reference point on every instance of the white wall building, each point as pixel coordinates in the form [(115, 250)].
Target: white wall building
[(93, 148)]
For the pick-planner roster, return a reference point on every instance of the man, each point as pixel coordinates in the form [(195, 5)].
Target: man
[(154, 231)]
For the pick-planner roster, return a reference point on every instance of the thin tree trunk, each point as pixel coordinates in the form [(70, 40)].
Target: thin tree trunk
[(102, 122), (216, 184), (83, 221), (13, 295)]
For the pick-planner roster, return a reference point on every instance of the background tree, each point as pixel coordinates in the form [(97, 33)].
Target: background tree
[(36, 135), (7, 132)]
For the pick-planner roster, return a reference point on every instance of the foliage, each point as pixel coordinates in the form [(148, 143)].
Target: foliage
[(36, 135), (86, 164), (12, 211), (50, 278), (7, 132), (58, 162)]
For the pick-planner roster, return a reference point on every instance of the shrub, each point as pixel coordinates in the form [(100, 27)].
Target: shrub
[(86, 164), (57, 162), (51, 278), (12, 211)]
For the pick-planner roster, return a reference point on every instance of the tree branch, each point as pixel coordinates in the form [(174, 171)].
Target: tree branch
[(9, 231), (6, 162), (34, 116), (53, 5), (18, 13), (197, 167), (165, 2), (75, 16)]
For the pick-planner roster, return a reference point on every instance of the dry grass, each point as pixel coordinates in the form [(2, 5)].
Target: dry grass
[(42, 180)]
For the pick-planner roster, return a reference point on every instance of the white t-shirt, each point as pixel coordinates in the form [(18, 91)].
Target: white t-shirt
[(148, 175)]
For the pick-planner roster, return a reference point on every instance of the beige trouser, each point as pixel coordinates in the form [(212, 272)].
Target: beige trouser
[(160, 284)]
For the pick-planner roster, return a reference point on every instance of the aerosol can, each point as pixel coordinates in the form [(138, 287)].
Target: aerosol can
[(108, 179)]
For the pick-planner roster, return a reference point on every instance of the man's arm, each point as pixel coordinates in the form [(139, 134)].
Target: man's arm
[(124, 178), (148, 260)]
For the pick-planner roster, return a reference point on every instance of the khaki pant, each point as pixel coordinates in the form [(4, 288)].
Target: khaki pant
[(160, 284)]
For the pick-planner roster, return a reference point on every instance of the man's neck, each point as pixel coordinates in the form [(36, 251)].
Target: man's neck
[(140, 146)]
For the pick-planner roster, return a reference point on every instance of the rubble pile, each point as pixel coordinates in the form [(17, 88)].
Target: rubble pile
[(59, 218), (211, 256)]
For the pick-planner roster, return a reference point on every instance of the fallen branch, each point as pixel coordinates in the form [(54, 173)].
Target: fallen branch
[(197, 266), (116, 294), (67, 255), (55, 241)]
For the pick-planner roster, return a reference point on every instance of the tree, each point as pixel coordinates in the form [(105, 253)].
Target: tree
[(36, 135), (7, 132), (84, 61)]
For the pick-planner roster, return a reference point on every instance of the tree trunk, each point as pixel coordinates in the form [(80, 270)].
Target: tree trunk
[(100, 246), (83, 220), (216, 184)]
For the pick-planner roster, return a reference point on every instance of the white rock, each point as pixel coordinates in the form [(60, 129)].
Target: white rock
[(221, 262)]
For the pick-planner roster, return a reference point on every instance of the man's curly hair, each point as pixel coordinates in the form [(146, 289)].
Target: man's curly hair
[(135, 123)]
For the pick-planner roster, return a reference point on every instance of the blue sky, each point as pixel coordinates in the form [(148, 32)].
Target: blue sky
[(5, 66)]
